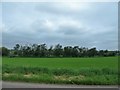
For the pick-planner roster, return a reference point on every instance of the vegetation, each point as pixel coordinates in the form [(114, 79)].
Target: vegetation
[(86, 71), (4, 51), (58, 64), (58, 50)]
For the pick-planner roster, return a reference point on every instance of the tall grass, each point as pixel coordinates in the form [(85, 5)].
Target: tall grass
[(67, 76), (38, 70)]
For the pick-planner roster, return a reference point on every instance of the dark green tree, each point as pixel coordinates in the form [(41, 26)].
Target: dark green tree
[(92, 52), (75, 52), (58, 51), (68, 51), (16, 49), (5, 51)]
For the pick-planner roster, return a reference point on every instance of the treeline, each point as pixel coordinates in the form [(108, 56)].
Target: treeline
[(36, 50)]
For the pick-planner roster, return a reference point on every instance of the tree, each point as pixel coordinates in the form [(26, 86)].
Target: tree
[(58, 51), (50, 52), (83, 52), (75, 52), (43, 50), (92, 52), (106, 53), (101, 53), (68, 51), (16, 49), (5, 51)]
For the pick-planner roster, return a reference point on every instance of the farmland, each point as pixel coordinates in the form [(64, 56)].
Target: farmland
[(84, 71)]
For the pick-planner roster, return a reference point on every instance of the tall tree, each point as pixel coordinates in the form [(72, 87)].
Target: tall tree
[(5, 51), (68, 51), (76, 51), (50, 52), (58, 51), (43, 50), (92, 52), (16, 49)]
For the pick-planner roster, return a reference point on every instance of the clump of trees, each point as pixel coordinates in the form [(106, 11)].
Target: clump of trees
[(4, 51), (41, 50)]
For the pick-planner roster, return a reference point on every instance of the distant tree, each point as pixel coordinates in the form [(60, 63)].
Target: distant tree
[(68, 51), (43, 50), (11, 53), (92, 52), (80, 52), (35, 50), (5, 51), (101, 53), (75, 52), (83, 52), (106, 53), (50, 52), (58, 51), (16, 49)]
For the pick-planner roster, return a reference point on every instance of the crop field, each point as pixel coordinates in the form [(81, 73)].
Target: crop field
[(81, 71)]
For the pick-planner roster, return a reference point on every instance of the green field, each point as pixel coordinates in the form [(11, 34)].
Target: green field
[(89, 71)]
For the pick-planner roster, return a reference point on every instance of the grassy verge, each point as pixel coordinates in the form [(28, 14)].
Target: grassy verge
[(88, 76), (81, 71)]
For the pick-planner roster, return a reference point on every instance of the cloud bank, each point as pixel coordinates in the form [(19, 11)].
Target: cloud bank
[(83, 24)]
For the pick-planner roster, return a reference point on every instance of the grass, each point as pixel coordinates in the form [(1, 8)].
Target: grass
[(86, 71)]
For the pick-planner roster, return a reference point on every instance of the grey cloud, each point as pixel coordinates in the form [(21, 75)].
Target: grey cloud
[(54, 8), (38, 26), (70, 30), (99, 26)]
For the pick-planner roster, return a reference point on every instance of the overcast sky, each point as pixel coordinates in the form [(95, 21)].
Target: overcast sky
[(83, 24)]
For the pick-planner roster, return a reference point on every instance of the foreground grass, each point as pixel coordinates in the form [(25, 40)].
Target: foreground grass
[(86, 71)]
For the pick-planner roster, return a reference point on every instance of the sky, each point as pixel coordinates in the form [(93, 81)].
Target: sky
[(88, 24)]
